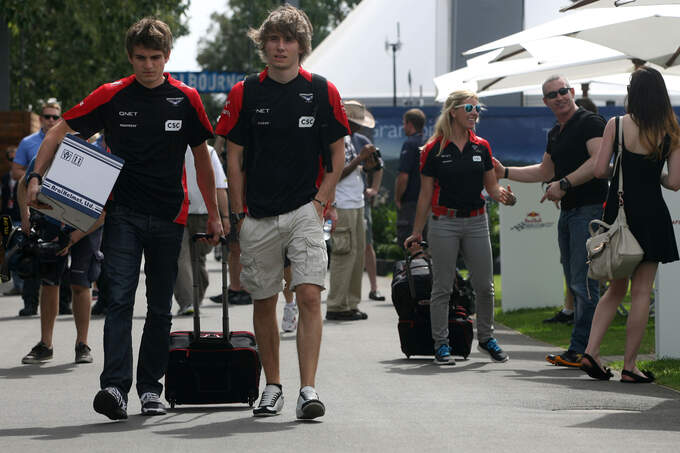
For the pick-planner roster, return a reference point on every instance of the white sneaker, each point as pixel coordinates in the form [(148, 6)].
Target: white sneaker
[(290, 317), (308, 404), (151, 404), (271, 401)]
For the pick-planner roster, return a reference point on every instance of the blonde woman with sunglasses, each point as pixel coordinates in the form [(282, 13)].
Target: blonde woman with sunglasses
[(456, 165)]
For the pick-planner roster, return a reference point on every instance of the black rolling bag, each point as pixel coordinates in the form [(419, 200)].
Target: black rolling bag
[(205, 367), (411, 288)]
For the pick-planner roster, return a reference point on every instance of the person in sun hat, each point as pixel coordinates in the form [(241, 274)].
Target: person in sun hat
[(348, 240)]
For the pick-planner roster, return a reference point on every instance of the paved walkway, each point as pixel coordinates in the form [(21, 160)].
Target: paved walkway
[(376, 399)]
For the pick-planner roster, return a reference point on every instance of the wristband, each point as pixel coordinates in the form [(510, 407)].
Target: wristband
[(323, 205), (506, 173), (35, 175)]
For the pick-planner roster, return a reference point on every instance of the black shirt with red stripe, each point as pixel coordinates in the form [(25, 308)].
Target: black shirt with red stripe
[(150, 128), (458, 175), (283, 172)]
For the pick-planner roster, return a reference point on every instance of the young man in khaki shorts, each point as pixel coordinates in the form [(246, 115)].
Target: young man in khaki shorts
[(275, 117)]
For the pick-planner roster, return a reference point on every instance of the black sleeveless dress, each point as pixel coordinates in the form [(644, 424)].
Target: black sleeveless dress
[(646, 210)]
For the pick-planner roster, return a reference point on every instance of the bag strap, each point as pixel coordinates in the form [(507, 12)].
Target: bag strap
[(250, 85), (618, 163), (322, 118)]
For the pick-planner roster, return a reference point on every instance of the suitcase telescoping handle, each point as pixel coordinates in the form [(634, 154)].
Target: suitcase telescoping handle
[(410, 257), (195, 267)]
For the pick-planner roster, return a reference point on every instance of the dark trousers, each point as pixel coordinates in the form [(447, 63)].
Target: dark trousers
[(128, 235)]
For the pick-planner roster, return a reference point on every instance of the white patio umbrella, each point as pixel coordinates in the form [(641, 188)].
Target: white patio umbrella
[(483, 71), (615, 3), (649, 33)]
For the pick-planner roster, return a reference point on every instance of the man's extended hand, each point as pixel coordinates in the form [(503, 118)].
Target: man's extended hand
[(498, 168)]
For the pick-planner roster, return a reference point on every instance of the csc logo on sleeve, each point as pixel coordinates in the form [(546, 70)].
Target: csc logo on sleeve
[(306, 121), (173, 125)]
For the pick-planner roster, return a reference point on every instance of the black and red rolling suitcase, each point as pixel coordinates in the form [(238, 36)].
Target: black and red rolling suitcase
[(208, 367), (411, 288)]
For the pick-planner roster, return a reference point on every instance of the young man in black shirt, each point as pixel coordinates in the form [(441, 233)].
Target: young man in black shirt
[(278, 177), (572, 144), (149, 119)]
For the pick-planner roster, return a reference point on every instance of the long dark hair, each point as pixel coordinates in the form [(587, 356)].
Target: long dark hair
[(650, 108)]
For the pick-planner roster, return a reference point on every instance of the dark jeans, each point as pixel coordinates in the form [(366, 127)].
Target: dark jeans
[(128, 235), (572, 233)]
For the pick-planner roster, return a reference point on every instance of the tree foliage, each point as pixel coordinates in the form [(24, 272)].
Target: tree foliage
[(67, 48), (229, 49)]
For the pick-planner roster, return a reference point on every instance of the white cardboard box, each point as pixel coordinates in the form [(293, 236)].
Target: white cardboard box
[(79, 182)]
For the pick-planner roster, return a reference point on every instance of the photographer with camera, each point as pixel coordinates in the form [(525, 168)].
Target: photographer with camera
[(45, 250)]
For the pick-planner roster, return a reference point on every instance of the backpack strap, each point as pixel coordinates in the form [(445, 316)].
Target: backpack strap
[(250, 85), (322, 118)]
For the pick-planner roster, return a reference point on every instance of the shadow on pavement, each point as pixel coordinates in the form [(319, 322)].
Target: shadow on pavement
[(27, 371), (423, 366), (662, 417), (245, 425)]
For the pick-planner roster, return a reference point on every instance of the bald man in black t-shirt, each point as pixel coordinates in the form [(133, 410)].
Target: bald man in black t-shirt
[(568, 161)]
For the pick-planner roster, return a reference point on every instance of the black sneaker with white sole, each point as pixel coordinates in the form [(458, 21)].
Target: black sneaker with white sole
[(39, 354), (83, 353), (308, 404), (111, 402), (151, 404), (271, 401)]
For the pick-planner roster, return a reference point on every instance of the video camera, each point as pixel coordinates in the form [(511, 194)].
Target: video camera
[(30, 254)]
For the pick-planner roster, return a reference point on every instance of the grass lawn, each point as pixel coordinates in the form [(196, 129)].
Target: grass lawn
[(529, 322)]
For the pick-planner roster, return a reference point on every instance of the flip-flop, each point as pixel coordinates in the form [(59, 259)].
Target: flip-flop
[(594, 370), (636, 378)]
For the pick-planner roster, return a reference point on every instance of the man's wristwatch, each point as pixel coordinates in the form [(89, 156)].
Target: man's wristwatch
[(235, 218), (565, 184), (35, 175)]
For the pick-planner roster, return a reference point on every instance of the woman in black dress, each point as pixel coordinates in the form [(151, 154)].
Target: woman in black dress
[(651, 136)]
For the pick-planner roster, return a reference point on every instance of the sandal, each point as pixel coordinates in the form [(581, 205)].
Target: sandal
[(594, 370), (636, 378)]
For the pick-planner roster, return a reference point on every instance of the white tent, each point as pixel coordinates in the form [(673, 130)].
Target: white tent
[(354, 56)]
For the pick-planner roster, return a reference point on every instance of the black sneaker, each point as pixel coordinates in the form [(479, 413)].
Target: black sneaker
[(495, 352), (99, 309), (30, 310), (83, 353), (308, 404), (239, 297), (110, 402), (560, 317), (271, 401), (349, 315), (375, 295), (39, 354), (151, 404)]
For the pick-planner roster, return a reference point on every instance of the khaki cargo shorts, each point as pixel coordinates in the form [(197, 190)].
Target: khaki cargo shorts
[(266, 242)]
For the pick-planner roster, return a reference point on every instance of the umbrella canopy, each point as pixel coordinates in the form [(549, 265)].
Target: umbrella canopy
[(615, 3), (483, 73), (649, 33)]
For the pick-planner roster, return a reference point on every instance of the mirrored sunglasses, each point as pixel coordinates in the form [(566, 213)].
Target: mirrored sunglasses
[(469, 107)]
